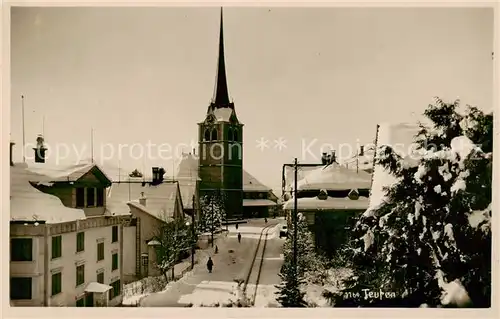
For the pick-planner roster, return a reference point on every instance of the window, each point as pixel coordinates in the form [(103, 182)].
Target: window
[(230, 134), (90, 197), (100, 277), (214, 135), (115, 291), (56, 283), (235, 135), (21, 249), (114, 234), (100, 251), (80, 197), (80, 275), (56, 247), (80, 241), (80, 302), (207, 135), (20, 288), (114, 262), (100, 197)]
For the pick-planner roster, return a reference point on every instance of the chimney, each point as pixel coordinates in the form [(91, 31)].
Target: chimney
[(40, 149), (324, 159), (333, 157), (11, 146), (361, 150), (155, 173), (142, 199)]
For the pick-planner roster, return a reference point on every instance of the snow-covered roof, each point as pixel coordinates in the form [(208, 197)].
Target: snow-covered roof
[(334, 177), (302, 172), (223, 114), (251, 184), (59, 173), (330, 203), (160, 199), (401, 138), (258, 202), (97, 287), (29, 204)]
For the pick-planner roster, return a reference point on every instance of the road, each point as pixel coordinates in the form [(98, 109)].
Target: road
[(231, 263)]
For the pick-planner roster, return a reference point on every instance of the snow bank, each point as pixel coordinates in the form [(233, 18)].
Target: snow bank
[(210, 293)]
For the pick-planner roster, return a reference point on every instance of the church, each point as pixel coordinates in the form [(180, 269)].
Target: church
[(219, 167)]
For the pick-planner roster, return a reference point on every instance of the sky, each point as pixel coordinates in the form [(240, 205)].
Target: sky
[(316, 78)]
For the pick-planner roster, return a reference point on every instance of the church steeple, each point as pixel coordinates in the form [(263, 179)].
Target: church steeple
[(221, 94)]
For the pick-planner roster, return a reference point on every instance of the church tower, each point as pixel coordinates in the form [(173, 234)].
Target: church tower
[(220, 140)]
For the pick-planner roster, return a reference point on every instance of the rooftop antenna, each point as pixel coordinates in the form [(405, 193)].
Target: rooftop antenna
[(24, 139), (92, 145), (143, 168)]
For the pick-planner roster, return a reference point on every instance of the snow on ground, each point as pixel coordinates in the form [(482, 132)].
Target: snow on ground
[(253, 232), (135, 291), (266, 296), (210, 293), (220, 293)]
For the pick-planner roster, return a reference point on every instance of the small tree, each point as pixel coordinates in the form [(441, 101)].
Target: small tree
[(309, 264), (212, 213), (173, 237)]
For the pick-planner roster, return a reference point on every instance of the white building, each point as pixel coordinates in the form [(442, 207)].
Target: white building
[(62, 255)]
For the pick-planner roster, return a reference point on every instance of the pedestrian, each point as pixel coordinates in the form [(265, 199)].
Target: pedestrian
[(265, 220), (239, 237), (236, 225), (210, 264), (216, 249)]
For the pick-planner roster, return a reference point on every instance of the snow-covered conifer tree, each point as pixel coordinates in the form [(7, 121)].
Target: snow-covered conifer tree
[(429, 241)]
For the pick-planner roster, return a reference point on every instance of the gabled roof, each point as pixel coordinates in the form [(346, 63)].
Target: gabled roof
[(29, 204), (68, 173), (160, 199)]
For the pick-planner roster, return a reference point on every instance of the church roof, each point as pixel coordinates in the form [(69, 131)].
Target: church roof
[(221, 93)]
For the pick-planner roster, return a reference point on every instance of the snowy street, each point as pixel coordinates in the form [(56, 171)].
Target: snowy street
[(231, 263)]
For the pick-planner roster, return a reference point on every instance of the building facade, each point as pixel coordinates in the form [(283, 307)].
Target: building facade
[(65, 251)]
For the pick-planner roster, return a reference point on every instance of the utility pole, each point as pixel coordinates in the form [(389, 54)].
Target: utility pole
[(194, 235), (24, 139), (295, 213)]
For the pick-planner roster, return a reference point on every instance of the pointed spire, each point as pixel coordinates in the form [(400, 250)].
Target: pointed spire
[(221, 98)]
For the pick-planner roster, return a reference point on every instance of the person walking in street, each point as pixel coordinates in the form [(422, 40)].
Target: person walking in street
[(239, 237), (236, 225), (265, 220), (210, 264)]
